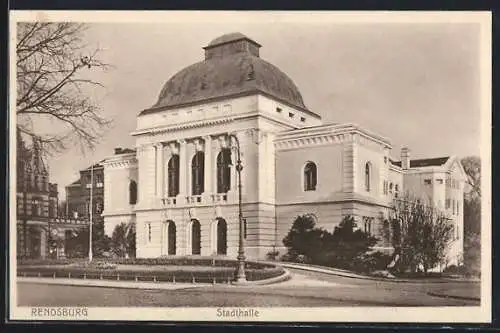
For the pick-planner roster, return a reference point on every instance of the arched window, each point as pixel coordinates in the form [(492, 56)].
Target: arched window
[(132, 192), (367, 176), (195, 237), (221, 236), (35, 207), (173, 176), (198, 173), (171, 240), (224, 171), (310, 177)]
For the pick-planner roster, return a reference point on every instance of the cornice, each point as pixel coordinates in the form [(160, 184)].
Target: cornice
[(255, 92), (121, 163), (183, 126), (333, 133), (118, 213), (344, 199), (317, 140)]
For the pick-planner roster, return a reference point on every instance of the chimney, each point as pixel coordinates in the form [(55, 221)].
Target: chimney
[(405, 158), (118, 151)]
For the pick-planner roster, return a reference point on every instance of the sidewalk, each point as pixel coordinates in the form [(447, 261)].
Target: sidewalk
[(328, 270), (112, 284), (348, 274)]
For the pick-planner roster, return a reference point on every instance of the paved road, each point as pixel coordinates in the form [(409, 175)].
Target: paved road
[(305, 289)]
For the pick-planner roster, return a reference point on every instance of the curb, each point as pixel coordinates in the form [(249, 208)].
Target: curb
[(282, 278), (332, 271), (337, 273), (463, 298)]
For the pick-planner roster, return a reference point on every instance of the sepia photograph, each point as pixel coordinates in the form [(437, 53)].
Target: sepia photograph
[(250, 166)]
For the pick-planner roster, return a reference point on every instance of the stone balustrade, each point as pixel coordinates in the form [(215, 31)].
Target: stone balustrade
[(194, 199), (219, 197), (63, 220), (169, 201)]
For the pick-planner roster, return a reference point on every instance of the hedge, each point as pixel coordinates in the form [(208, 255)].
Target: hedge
[(221, 275), (179, 261)]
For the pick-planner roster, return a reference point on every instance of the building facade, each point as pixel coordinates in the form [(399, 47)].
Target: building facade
[(41, 231), (180, 186), (78, 193)]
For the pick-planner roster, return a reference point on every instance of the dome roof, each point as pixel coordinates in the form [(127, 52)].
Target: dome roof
[(232, 67)]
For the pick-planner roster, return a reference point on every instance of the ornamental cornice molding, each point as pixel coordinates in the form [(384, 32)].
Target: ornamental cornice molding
[(183, 126), (121, 213), (317, 140), (121, 163), (368, 142), (353, 132)]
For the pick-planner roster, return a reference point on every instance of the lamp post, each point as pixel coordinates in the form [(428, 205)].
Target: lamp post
[(90, 211), (240, 274)]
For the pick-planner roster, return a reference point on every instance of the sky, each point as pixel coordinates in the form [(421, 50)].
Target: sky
[(414, 83)]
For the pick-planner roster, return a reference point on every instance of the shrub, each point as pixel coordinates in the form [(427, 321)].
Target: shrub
[(303, 239), (218, 275), (264, 274), (345, 248), (123, 240), (28, 262), (77, 246), (369, 262), (272, 255), (424, 232), (456, 270), (105, 265)]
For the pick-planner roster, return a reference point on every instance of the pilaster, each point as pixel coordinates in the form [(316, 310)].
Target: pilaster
[(160, 164), (208, 166), (183, 163), (348, 167), (146, 161)]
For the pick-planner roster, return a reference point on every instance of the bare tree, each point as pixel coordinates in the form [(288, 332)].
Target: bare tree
[(472, 214), (423, 233), (54, 86), (472, 167)]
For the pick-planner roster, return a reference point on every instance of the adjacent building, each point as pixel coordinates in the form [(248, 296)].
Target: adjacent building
[(78, 192), (40, 229), (180, 186)]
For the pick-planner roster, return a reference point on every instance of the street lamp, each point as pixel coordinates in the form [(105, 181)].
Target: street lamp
[(90, 211), (240, 274)]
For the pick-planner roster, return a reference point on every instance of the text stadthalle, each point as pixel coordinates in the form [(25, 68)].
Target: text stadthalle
[(238, 313)]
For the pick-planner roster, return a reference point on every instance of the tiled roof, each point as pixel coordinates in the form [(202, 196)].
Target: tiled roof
[(437, 161)]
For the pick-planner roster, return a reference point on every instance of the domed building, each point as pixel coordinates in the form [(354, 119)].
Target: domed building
[(180, 187)]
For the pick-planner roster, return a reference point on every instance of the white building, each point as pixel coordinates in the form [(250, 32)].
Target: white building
[(293, 163)]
